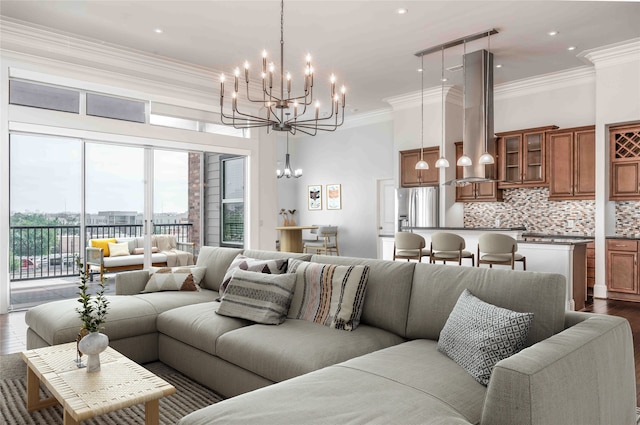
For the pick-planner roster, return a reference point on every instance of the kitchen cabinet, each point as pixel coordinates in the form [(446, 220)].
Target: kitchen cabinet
[(622, 269), (410, 177), (475, 192), (624, 163), (572, 163), (591, 267), (522, 157)]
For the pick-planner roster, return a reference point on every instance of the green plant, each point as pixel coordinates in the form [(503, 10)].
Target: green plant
[(93, 312)]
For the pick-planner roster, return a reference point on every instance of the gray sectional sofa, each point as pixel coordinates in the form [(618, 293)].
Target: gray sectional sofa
[(577, 368)]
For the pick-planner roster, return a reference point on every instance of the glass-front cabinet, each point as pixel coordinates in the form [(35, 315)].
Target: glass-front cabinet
[(521, 158)]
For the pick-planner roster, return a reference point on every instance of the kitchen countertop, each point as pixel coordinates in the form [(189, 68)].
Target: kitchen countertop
[(632, 237), (483, 229)]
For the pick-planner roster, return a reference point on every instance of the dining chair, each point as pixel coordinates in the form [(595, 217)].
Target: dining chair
[(449, 247), (327, 242), (495, 248), (409, 246)]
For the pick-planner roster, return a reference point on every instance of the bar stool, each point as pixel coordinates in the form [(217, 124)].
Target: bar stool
[(409, 246), (499, 249), (449, 247)]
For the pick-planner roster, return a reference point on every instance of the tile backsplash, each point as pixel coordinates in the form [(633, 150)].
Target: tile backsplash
[(627, 218), (531, 208)]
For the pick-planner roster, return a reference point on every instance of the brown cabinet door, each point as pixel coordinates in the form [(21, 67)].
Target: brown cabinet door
[(510, 163), (625, 183), (488, 192), (561, 165), (585, 164), (533, 159), (622, 271), (410, 177)]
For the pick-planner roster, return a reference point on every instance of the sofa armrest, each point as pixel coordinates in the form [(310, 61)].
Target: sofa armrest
[(131, 283), (584, 374), (186, 246), (94, 256)]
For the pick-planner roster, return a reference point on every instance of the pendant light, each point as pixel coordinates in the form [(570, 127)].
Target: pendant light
[(486, 158), (464, 160), (442, 161), (422, 164), (288, 171)]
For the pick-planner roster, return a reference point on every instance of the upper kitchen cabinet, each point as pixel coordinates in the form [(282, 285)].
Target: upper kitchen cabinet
[(410, 177), (475, 192), (625, 162), (522, 156), (572, 163)]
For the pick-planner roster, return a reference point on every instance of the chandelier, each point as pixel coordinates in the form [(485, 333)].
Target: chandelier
[(273, 106), (288, 173)]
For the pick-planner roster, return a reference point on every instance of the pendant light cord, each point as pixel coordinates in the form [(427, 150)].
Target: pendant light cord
[(442, 100), (422, 110)]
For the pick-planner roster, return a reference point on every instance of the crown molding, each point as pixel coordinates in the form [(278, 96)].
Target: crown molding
[(368, 118), (546, 82), (613, 54), (411, 100)]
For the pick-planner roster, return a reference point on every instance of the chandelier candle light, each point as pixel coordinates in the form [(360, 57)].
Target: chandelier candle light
[(274, 106)]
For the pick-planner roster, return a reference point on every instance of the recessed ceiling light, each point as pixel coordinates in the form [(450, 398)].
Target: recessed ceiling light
[(158, 30), (443, 79), (570, 48), (553, 33), (419, 69), (402, 11), (499, 65)]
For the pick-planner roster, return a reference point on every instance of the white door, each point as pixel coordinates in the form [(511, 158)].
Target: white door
[(386, 207)]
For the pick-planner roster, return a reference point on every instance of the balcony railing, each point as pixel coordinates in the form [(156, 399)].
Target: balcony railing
[(40, 252)]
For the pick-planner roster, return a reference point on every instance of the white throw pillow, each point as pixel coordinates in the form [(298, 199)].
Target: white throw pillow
[(118, 249), (186, 278)]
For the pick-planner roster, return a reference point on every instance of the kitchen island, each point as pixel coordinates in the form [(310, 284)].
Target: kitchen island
[(566, 255)]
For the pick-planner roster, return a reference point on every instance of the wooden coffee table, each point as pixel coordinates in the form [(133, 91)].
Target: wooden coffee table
[(120, 383)]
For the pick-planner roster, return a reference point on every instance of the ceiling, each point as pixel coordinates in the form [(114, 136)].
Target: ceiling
[(367, 44)]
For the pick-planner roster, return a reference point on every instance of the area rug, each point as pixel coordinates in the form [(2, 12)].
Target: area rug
[(189, 396)]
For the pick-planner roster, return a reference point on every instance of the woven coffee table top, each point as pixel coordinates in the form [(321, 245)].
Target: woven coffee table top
[(120, 382)]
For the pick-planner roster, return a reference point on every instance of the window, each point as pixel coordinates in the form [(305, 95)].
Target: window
[(232, 200)]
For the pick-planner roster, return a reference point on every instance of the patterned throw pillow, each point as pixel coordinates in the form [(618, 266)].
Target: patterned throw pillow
[(259, 297), (253, 265), (477, 335), (329, 294), (174, 279)]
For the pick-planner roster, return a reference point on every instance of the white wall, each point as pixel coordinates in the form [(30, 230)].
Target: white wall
[(355, 157)]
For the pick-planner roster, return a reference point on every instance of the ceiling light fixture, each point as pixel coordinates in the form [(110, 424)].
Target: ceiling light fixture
[(275, 106), (158, 31), (486, 158), (422, 164), (288, 173), (402, 11), (553, 33), (570, 48), (499, 65), (442, 161)]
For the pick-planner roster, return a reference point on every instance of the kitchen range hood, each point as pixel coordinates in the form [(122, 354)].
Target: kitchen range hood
[(478, 136)]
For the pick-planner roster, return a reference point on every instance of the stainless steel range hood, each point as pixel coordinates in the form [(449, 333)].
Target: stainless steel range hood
[(478, 117)]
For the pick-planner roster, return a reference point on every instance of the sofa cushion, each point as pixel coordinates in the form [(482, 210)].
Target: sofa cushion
[(386, 303), (164, 301), (131, 243), (408, 384), (217, 261), (436, 289), (104, 244), (198, 325), (328, 293), (259, 297), (297, 346), (478, 335), (118, 249), (174, 279), (242, 262), (131, 260)]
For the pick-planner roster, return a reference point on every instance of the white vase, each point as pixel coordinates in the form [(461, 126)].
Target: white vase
[(92, 345)]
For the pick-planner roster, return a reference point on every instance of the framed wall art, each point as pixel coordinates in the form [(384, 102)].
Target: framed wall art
[(314, 196), (334, 197)]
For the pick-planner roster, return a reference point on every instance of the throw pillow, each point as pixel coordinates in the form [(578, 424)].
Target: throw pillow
[(102, 243), (138, 251), (329, 294), (259, 297), (174, 279), (477, 335), (118, 249), (253, 265)]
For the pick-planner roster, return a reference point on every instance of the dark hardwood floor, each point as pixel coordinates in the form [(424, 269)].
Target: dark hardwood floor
[(13, 330)]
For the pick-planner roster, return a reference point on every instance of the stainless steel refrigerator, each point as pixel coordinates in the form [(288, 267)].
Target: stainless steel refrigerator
[(417, 207)]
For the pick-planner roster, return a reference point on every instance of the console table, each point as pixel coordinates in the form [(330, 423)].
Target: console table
[(291, 237)]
